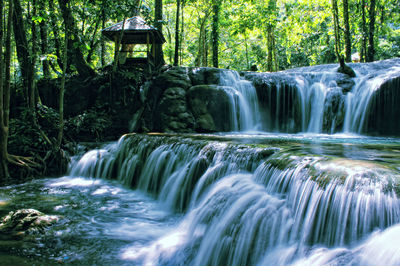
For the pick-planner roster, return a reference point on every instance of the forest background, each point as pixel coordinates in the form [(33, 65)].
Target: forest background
[(45, 41)]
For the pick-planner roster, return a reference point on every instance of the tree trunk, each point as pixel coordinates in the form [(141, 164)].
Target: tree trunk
[(176, 54), (204, 62), (371, 48), (32, 70), (270, 48), (363, 54), (22, 47), (117, 46), (62, 89), (276, 65), (5, 95), (201, 53), (43, 41), (158, 17), (182, 31), (335, 13), (3, 139), (347, 36), (93, 41), (103, 44), (247, 51), (73, 43), (215, 31), (57, 43)]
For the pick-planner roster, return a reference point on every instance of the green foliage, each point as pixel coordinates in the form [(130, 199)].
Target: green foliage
[(24, 137), (303, 29), (90, 125)]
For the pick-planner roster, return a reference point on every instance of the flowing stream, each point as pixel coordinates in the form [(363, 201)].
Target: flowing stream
[(261, 199), (318, 99), (244, 198)]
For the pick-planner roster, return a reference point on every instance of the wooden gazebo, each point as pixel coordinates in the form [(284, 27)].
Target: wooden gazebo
[(136, 31)]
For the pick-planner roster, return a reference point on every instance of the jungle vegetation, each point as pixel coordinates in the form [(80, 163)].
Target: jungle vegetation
[(56, 39)]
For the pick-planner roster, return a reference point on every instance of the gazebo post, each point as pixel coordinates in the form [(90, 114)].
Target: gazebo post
[(136, 31)]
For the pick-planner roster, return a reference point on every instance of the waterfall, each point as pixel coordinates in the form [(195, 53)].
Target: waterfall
[(248, 204), (359, 99), (319, 100), (244, 101)]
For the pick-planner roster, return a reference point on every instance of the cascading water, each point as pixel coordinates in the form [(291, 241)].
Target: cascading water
[(358, 100), (246, 205), (320, 100), (233, 199), (244, 102)]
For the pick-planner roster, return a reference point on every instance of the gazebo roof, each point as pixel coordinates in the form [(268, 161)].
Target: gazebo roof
[(136, 31)]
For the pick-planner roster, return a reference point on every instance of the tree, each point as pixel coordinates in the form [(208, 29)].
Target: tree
[(55, 30), (103, 25), (271, 13), (215, 31), (364, 32), (177, 35), (335, 13), (201, 57), (43, 20), (23, 53), (62, 89), (32, 70), (3, 139), (5, 91), (371, 45), (158, 19), (74, 44), (347, 36)]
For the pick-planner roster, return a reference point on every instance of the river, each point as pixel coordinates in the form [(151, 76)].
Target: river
[(222, 199)]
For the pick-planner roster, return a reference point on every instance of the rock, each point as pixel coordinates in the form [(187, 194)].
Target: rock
[(346, 84), (334, 112), (210, 106), (173, 112), (345, 69), (26, 221), (175, 77), (205, 75), (205, 123)]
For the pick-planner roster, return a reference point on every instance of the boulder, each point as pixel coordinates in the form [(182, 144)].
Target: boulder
[(205, 75), (172, 111), (26, 221), (345, 82), (210, 106), (174, 77), (334, 112), (345, 69)]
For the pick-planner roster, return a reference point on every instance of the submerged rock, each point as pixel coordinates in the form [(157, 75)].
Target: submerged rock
[(334, 110), (26, 221)]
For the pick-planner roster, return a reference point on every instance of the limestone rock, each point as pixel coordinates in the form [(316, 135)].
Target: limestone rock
[(26, 221), (175, 77), (173, 113), (345, 69), (334, 112), (205, 75), (210, 107)]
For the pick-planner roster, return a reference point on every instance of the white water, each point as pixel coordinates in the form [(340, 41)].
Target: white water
[(245, 112), (358, 100), (239, 209), (315, 88)]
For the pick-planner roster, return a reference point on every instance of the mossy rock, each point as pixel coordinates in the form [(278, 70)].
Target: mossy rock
[(26, 221)]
